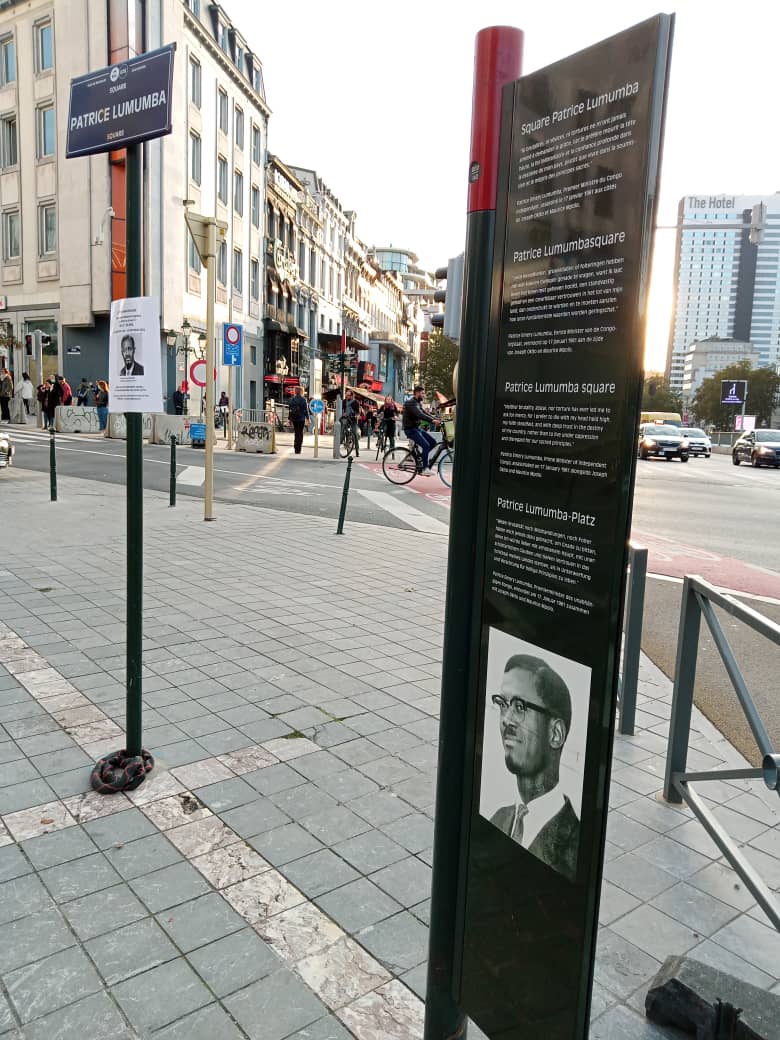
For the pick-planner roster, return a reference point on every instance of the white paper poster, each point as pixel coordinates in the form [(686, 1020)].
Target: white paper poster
[(134, 358)]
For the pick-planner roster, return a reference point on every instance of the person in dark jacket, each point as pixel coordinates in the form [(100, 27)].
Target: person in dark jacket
[(56, 394), (349, 417), (387, 414), (413, 415), (299, 416), (178, 401), (101, 401)]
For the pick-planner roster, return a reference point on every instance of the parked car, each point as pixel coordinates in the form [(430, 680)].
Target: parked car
[(698, 441), (758, 447), (6, 448), (665, 442)]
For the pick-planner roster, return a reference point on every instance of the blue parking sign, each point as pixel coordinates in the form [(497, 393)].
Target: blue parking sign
[(317, 406), (232, 344)]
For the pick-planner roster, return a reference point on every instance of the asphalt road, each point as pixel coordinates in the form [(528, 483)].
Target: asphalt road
[(706, 517)]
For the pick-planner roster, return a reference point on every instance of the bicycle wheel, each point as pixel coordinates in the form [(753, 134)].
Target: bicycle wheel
[(445, 466), (347, 446), (399, 465), (381, 443)]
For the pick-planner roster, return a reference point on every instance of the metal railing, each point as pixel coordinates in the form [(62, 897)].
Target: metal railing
[(632, 637), (698, 599)]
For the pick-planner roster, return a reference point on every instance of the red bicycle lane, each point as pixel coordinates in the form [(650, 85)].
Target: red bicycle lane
[(675, 559), (430, 488)]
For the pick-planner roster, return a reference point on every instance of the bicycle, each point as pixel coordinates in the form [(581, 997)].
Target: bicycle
[(402, 465), (348, 444)]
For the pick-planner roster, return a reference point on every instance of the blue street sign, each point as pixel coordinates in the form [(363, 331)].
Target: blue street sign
[(121, 104), (232, 344), (316, 406)]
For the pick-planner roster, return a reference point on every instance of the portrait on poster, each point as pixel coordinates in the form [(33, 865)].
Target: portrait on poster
[(533, 748), (135, 360)]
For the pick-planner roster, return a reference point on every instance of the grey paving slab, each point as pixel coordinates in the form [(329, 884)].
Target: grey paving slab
[(334, 825), (96, 1015), (103, 911), (275, 1007), (324, 1029), (273, 779), (753, 941), (30, 938), (12, 863), (233, 962), (701, 912), (639, 877), (370, 851), (414, 832), (226, 794), (655, 932), (319, 872), (408, 881), (79, 877), (284, 844), (380, 807), (21, 896), (161, 995), (358, 904), (200, 921), (208, 1023), (399, 942), (24, 796), (51, 983), (143, 856), (621, 967), (620, 1023), (303, 800), (119, 828), (130, 950), (255, 817)]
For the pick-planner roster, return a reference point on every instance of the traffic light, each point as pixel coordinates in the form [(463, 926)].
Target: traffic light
[(28, 344), (451, 297)]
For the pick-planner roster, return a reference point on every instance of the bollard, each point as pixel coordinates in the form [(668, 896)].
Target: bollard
[(52, 466), (344, 494), (173, 471)]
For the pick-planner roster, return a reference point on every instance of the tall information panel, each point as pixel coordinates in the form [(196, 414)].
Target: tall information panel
[(580, 154)]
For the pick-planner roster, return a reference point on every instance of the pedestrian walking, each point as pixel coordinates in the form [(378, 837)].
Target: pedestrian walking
[(42, 394), (26, 391), (388, 413), (349, 417), (6, 393), (53, 399), (299, 416), (101, 401), (67, 393)]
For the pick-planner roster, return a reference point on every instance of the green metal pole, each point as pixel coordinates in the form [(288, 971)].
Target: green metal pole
[(135, 491), (344, 496), (173, 470), (52, 466)]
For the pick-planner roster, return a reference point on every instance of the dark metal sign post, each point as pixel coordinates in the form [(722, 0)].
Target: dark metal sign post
[(120, 107), (550, 373)]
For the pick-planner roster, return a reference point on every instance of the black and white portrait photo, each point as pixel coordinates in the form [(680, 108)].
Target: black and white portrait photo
[(130, 364), (533, 748)]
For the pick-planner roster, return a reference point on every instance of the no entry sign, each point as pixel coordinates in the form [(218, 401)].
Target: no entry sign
[(198, 372)]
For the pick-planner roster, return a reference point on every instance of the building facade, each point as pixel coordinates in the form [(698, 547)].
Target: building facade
[(725, 285), (706, 357)]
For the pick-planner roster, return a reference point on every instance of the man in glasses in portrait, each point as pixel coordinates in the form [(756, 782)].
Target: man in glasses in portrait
[(534, 710)]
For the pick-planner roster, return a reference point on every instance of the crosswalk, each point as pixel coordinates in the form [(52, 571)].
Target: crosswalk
[(35, 435)]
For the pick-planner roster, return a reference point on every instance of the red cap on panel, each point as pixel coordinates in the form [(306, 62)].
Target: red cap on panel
[(497, 61)]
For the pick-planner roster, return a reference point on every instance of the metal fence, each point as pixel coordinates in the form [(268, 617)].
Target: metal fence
[(632, 637), (698, 600)]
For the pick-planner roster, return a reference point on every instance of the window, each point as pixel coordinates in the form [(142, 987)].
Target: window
[(239, 57), (47, 229), (255, 209), (253, 354), (45, 130), (257, 145), (194, 6), (195, 92), (239, 128), (254, 279), (222, 263), (7, 60), (257, 79), (238, 271), (193, 257), (195, 157), (222, 179), (271, 222), (238, 192), (12, 237), (44, 47), (223, 111), (9, 147)]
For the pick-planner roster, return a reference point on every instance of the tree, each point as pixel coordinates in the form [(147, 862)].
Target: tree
[(657, 397), (435, 373), (763, 389)]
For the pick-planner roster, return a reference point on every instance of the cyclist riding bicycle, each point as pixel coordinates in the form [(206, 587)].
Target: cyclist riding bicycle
[(349, 417), (413, 415)]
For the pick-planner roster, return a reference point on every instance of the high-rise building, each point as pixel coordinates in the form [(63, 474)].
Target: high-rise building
[(725, 285)]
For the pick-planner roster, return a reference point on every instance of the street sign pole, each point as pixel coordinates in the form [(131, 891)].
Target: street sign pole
[(211, 288), (135, 489)]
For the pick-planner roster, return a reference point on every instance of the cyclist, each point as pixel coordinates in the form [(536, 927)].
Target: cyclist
[(349, 417), (413, 415)]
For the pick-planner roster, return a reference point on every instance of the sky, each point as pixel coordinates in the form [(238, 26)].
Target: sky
[(377, 98)]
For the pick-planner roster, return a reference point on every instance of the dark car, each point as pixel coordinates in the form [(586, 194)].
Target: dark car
[(698, 441), (663, 441), (758, 447)]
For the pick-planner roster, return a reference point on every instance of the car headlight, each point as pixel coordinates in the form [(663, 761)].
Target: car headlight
[(649, 442), (766, 451), (683, 443)]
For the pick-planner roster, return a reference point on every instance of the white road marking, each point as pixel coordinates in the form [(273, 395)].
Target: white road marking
[(195, 475), (403, 511)]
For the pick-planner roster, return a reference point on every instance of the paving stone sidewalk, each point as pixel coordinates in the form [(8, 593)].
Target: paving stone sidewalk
[(271, 879)]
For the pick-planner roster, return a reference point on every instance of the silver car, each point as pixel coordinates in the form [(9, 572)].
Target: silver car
[(698, 441)]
